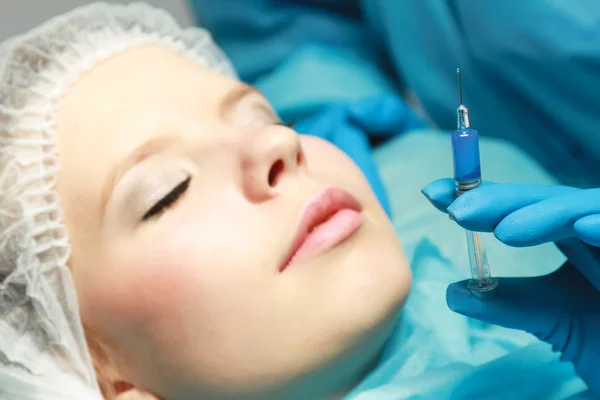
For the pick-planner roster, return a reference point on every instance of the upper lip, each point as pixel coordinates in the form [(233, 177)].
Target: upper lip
[(318, 209)]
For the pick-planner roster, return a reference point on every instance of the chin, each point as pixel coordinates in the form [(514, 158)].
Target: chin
[(373, 278), (376, 286)]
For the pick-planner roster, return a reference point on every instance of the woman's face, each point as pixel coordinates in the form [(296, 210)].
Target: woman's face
[(183, 199)]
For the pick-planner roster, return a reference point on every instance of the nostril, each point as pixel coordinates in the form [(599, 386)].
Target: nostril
[(274, 172), (299, 158)]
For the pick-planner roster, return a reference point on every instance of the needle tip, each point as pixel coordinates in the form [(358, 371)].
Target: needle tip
[(459, 86)]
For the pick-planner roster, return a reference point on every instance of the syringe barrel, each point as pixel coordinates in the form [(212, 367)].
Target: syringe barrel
[(481, 276), (465, 153)]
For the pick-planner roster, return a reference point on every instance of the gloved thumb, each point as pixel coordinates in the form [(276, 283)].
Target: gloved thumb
[(513, 305), (535, 305), (560, 309)]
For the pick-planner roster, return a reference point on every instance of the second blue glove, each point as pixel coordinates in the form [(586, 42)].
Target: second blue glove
[(562, 308)]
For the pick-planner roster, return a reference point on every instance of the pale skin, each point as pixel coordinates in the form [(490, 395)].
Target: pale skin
[(189, 300)]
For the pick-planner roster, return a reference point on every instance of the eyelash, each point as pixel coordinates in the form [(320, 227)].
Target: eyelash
[(287, 124), (168, 201)]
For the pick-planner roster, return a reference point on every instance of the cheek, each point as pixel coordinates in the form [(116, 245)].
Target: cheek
[(134, 291), (178, 271)]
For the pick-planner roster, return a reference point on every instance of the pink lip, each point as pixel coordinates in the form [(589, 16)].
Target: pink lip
[(329, 218)]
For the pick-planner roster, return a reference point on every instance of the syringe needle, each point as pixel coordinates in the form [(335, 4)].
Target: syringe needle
[(459, 85)]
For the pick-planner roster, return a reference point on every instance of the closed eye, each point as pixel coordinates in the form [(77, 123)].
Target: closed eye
[(289, 124), (169, 200)]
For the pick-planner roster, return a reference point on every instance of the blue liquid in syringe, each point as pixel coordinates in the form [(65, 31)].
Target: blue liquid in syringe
[(465, 152)]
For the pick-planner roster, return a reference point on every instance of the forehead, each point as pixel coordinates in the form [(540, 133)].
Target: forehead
[(125, 101), (123, 92)]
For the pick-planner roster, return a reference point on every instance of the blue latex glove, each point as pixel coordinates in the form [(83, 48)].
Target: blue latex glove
[(350, 125), (562, 308)]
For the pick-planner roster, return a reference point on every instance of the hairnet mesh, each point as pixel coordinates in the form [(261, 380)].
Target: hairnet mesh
[(43, 352)]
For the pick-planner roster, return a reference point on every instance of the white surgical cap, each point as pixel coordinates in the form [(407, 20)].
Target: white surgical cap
[(43, 352)]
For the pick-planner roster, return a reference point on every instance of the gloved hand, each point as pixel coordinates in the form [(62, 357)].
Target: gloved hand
[(562, 308), (350, 125)]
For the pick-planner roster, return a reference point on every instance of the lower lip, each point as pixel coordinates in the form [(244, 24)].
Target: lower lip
[(339, 227)]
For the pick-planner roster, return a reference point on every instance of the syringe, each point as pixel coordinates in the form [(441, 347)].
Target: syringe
[(467, 176)]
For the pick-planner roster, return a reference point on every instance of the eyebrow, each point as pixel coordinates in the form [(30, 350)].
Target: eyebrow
[(234, 96)]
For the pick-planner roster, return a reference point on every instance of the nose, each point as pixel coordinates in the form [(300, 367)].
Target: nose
[(268, 156)]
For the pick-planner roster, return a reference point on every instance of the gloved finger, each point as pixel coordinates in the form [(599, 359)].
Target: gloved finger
[(440, 193), (482, 209), (384, 115), (535, 305), (560, 309), (514, 304), (588, 229), (548, 220)]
